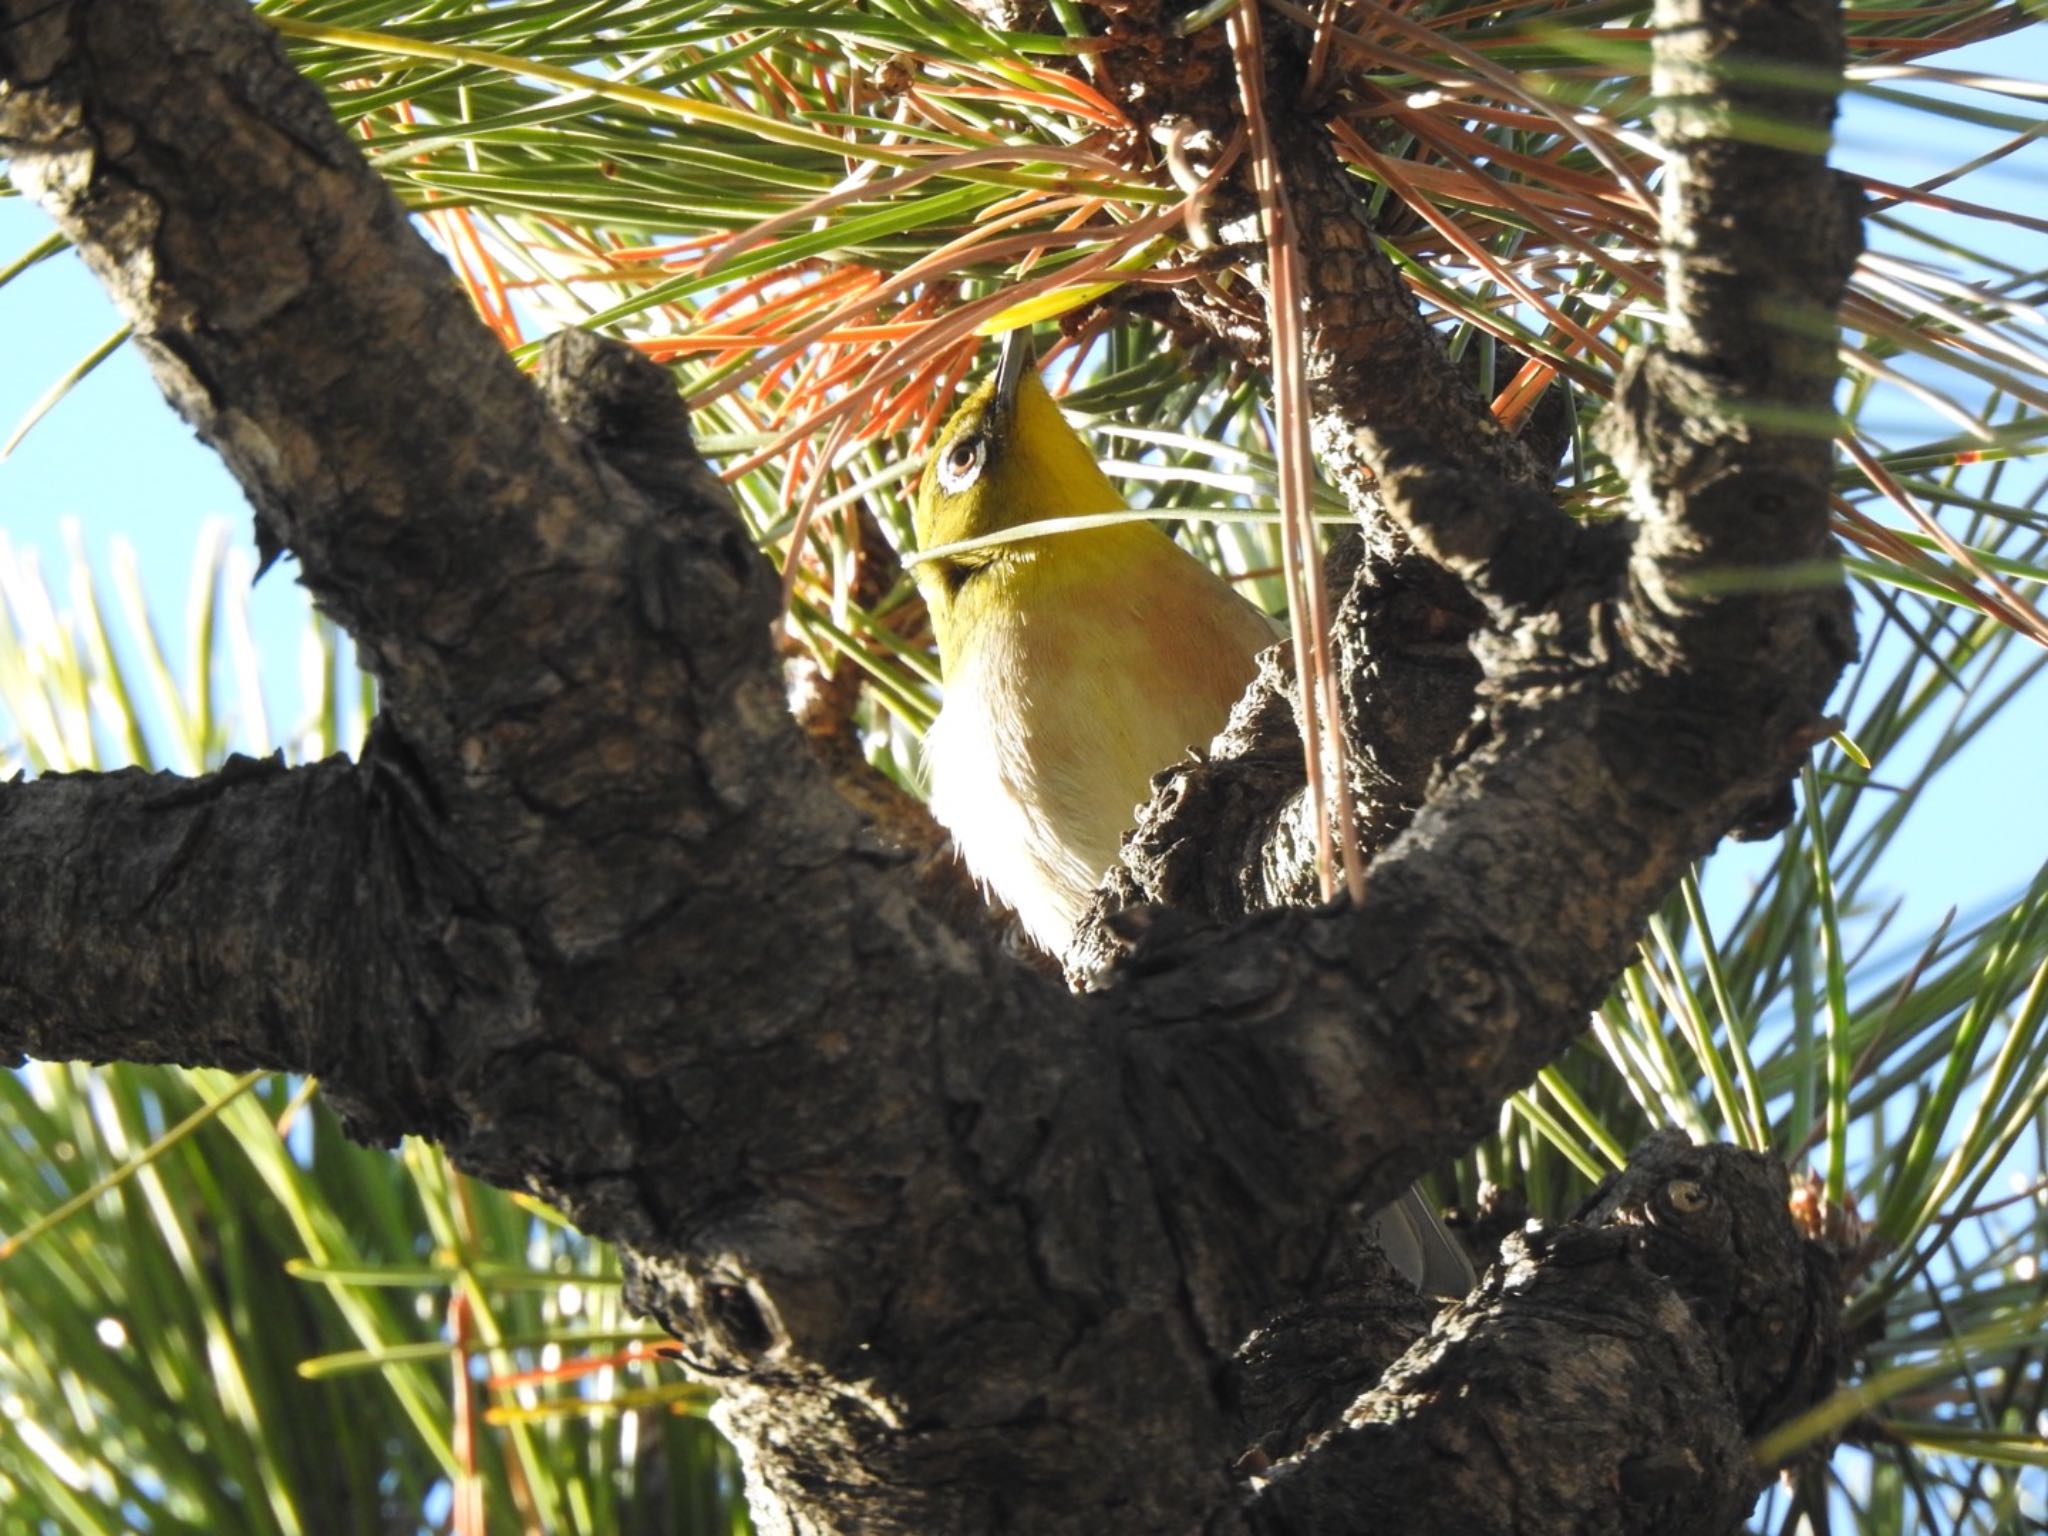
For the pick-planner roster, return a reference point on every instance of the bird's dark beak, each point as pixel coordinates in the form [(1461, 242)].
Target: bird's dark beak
[(1012, 363)]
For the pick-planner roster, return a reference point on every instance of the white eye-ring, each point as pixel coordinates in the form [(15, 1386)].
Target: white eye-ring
[(961, 465)]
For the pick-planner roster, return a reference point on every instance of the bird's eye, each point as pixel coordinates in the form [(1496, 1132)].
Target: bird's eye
[(962, 463)]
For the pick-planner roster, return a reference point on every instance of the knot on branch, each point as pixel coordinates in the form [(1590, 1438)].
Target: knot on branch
[(1607, 1375), (628, 410), (1506, 541), (1715, 1221), (1731, 561), (695, 571), (1300, 1370), (1669, 417), (1540, 585)]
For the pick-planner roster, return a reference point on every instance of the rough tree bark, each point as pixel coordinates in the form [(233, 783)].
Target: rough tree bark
[(967, 1253)]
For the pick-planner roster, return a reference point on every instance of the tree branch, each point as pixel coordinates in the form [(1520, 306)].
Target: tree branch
[(1607, 1376), (153, 917), (1376, 366)]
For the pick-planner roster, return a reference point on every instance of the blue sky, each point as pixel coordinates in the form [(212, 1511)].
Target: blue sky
[(114, 458)]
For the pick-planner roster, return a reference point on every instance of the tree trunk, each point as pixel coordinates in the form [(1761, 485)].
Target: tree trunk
[(964, 1251)]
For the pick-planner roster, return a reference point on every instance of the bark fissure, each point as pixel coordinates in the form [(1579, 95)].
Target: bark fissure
[(968, 1253)]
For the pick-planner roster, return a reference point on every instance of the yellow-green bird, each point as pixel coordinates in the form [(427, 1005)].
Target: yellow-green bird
[(1077, 664)]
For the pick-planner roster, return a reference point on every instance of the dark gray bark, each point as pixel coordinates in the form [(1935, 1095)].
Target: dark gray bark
[(967, 1253), (1679, 1286)]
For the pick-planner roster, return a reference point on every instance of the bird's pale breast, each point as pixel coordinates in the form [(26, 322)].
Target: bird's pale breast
[(1083, 683)]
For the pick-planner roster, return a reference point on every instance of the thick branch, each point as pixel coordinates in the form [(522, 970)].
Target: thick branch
[(1376, 366), (276, 308), (1607, 1377), (436, 508), (150, 917), (1727, 427)]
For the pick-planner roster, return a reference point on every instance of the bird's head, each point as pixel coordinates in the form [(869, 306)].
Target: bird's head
[(1007, 457)]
